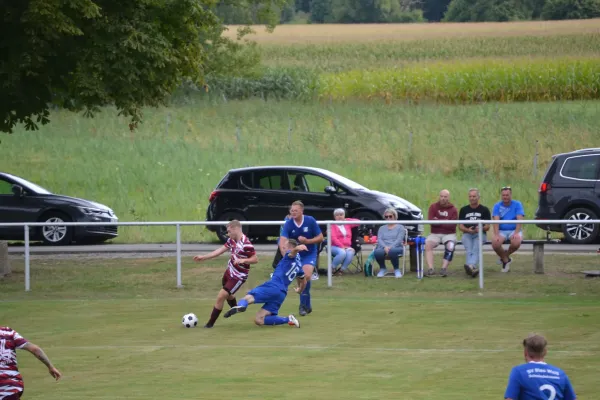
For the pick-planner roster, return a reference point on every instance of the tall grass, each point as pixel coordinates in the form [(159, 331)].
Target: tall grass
[(167, 168), (336, 57), (472, 81)]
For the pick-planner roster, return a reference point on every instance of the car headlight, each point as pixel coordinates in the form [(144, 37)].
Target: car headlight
[(93, 211)]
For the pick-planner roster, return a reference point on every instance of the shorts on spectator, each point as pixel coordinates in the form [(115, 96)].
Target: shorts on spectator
[(441, 238), (507, 234)]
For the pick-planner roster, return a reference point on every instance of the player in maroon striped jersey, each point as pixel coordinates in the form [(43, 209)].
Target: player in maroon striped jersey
[(238, 267), (11, 381)]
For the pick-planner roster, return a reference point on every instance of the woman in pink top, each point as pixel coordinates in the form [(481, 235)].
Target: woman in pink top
[(341, 241)]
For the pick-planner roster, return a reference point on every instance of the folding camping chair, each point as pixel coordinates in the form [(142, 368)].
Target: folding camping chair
[(357, 261), (405, 253)]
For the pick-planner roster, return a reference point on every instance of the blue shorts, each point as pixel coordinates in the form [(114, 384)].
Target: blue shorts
[(507, 233), (309, 259), (271, 296)]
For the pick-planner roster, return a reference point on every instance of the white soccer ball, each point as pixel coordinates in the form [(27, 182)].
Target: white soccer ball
[(190, 320)]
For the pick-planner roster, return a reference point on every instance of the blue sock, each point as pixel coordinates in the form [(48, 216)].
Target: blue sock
[(275, 320), (243, 303), (305, 297)]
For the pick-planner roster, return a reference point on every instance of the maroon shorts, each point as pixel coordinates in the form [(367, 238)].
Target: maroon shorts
[(15, 396), (231, 283)]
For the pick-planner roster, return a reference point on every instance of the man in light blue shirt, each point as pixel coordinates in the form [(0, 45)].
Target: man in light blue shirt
[(537, 380), (507, 210)]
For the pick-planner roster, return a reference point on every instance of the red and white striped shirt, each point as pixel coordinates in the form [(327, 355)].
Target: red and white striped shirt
[(11, 381), (242, 249)]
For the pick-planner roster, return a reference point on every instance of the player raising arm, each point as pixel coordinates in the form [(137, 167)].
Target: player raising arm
[(11, 381), (272, 293), (238, 267), (536, 380)]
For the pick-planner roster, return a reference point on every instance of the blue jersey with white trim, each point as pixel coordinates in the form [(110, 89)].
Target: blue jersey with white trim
[(288, 269), (539, 381)]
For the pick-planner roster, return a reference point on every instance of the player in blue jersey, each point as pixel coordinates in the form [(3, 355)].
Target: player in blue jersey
[(305, 230), (536, 380), (273, 292)]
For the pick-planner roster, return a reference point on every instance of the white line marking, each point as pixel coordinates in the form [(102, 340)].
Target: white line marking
[(312, 347)]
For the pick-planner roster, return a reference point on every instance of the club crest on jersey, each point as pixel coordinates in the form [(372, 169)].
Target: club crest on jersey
[(306, 229)]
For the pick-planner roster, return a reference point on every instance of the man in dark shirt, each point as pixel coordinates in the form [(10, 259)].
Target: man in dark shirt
[(473, 211), (441, 234)]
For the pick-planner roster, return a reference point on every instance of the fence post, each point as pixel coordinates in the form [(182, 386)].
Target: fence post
[(480, 238), (329, 278), (27, 282), (179, 285)]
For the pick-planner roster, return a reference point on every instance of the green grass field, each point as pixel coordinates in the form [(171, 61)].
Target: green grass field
[(113, 328)]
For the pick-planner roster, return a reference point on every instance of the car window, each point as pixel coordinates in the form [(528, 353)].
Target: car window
[(228, 182), (316, 184), (5, 187), (297, 182), (268, 180), (246, 179), (583, 167)]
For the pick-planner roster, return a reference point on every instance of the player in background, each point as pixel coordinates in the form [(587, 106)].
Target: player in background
[(238, 267), (272, 293), (11, 381), (305, 230), (536, 380)]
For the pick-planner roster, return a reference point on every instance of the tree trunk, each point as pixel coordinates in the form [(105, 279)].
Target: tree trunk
[(4, 261)]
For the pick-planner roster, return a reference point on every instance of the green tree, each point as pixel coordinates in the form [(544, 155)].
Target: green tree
[(571, 9), (84, 54), (320, 11), (487, 10), (434, 10)]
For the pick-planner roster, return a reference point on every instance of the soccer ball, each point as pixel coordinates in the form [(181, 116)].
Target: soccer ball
[(190, 320)]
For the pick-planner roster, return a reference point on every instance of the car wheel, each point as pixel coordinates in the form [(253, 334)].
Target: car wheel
[(222, 229), (56, 235), (367, 216), (580, 232)]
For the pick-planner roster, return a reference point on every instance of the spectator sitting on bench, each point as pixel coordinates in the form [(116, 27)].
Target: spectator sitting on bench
[(441, 234), (473, 211), (341, 242), (507, 209), (390, 244)]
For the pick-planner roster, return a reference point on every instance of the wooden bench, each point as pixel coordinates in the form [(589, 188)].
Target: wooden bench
[(538, 253)]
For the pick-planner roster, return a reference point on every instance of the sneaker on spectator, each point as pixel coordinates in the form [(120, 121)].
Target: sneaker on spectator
[(381, 273), (506, 265), (397, 273), (468, 270)]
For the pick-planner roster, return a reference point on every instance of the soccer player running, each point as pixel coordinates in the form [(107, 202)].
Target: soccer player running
[(11, 381), (536, 380), (238, 267), (272, 293), (305, 230)]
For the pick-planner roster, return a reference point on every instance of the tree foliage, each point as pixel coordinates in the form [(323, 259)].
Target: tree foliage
[(84, 54), (487, 10), (571, 9)]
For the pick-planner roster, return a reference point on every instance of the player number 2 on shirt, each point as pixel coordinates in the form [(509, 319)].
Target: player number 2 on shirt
[(549, 388), (291, 274)]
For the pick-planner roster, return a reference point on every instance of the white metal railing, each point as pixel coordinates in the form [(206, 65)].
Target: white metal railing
[(179, 224)]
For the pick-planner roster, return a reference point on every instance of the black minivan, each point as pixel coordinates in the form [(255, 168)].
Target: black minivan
[(266, 193), (571, 190)]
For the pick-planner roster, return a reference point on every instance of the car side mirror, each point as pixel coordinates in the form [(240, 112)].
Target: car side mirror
[(330, 190), (17, 191)]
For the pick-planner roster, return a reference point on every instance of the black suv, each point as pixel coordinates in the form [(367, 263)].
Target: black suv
[(571, 190), (266, 193)]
